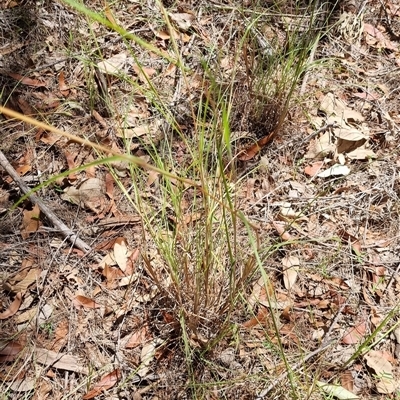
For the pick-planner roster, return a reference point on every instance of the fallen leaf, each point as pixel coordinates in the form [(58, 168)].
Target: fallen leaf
[(354, 242), (144, 73), (335, 170), (261, 316), (137, 338), (332, 105), (113, 65), (20, 286), (374, 37), (281, 229), (13, 307), (23, 385), (146, 357), (361, 154), (62, 85), (27, 81), (347, 381), (313, 169), (182, 20), (349, 139), (58, 360), (9, 351), (90, 194), (290, 270), (250, 152), (121, 254), (337, 391), (109, 15), (85, 302), (105, 383), (383, 369), (25, 106), (263, 289), (30, 221), (354, 335)]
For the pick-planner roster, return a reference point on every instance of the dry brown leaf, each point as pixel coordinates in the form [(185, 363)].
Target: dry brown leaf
[(114, 65), (59, 360), (23, 385), (27, 81), (89, 194), (109, 15), (144, 73), (347, 381), (354, 335), (146, 357), (85, 302), (30, 222), (281, 229), (355, 243), (313, 169), (183, 20), (20, 286), (260, 318), (263, 289), (64, 88), (9, 351), (137, 338), (374, 37), (250, 152), (290, 270), (121, 254), (25, 106), (105, 383), (13, 307), (377, 360)]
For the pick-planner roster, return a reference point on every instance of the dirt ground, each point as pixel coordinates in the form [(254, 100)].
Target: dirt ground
[(322, 195)]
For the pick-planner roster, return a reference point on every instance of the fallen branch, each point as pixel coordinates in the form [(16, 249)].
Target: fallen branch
[(64, 230)]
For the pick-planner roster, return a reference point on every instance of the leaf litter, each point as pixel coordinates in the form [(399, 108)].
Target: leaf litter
[(306, 214)]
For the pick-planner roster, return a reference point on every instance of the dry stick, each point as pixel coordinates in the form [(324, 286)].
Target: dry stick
[(65, 231)]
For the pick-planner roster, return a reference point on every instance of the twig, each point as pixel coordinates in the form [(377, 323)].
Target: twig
[(65, 231)]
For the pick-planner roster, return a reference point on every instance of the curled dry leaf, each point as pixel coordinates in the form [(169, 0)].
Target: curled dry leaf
[(31, 277), (105, 383), (13, 308), (281, 229), (377, 360), (85, 302), (355, 334)]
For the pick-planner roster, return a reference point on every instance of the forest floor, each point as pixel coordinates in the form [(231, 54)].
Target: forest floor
[(265, 270)]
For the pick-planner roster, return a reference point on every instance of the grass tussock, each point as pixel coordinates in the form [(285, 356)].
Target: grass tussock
[(185, 117)]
